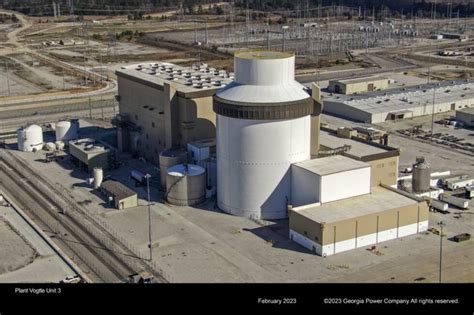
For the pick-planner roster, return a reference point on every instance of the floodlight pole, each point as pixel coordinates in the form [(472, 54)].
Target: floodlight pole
[(147, 176), (441, 224)]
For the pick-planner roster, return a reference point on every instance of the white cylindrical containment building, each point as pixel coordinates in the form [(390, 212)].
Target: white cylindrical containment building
[(186, 184), (263, 126)]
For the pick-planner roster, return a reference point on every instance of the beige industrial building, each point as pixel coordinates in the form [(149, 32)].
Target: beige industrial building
[(466, 117), (359, 85), (402, 103), (165, 106), (383, 159), (89, 153), (346, 224), (119, 195)]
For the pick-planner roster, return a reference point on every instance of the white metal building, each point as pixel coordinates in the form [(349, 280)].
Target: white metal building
[(263, 126), (328, 179), (402, 103)]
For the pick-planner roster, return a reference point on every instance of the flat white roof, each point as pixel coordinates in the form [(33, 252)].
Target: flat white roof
[(185, 79), (358, 149), (380, 199), (360, 80), (405, 99), (331, 165)]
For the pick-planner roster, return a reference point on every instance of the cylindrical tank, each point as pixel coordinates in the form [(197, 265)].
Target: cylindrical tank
[(67, 130), (263, 126), (59, 145), (186, 184), (421, 177), (169, 158), (98, 177), (30, 138), (49, 146)]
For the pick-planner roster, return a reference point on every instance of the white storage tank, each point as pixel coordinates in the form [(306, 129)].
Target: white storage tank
[(30, 138), (98, 177), (49, 146), (67, 130), (167, 159), (263, 126), (186, 184), (59, 145)]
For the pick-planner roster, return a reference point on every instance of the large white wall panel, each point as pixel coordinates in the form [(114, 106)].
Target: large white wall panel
[(343, 185), (253, 163)]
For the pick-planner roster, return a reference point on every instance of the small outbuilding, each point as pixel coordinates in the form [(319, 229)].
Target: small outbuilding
[(359, 85), (119, 195)]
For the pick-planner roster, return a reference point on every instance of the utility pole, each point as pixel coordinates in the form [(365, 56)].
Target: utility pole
[(147, 176), (207, 34), (284, 27), (268, 39), (90, 108), (441, 224), (433, 113), (8, 78), (195, 32)]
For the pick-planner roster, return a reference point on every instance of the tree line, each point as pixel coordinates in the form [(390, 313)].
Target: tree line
[(114, 7)]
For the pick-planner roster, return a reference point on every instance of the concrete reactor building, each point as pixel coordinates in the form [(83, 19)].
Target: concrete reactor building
[(263, 126)]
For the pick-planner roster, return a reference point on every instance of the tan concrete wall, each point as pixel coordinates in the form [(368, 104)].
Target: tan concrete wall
[(197, 119), (347, 229), (129, 202), (384, 171), (174, 121), (360, 87), (304, 226), (368, 224)]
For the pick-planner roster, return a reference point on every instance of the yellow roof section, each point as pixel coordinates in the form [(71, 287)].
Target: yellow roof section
[(262, 54)]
